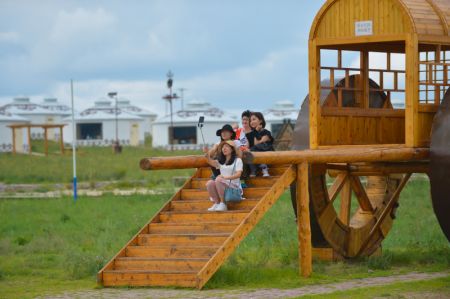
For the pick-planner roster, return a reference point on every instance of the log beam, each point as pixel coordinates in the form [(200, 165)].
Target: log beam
[(330, 155)]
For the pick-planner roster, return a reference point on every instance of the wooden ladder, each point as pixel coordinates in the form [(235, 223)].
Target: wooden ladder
[(184, 244)]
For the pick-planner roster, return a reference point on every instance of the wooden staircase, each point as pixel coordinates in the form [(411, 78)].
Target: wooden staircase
[(184, 244)]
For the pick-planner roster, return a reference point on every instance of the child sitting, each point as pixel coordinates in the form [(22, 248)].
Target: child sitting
[(262, 141)]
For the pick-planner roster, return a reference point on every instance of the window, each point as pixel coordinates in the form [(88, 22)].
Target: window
[(184, 135), (89, 131)]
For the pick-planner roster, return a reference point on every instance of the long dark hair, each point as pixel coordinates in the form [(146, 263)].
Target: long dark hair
[(221, 157)]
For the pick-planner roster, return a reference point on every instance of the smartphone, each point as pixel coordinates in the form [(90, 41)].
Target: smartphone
[(201, 120)]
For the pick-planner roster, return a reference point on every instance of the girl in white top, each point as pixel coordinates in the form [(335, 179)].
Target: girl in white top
[(230, 166)]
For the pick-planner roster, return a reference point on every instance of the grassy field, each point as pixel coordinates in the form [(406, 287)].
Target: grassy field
[(93, 164), (54, 245)]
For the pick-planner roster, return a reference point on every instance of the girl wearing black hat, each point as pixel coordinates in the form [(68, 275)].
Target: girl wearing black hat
[(226, 133)]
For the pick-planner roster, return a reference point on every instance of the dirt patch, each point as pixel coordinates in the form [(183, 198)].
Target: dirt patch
[(259, 293)]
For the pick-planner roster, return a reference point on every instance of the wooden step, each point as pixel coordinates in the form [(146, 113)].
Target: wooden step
[(235, 216), (214, 239), (205, 172), (149, 278), (189, 205), (196, 194), (159, 264), (181, 251), (200, 183), (191, 228)]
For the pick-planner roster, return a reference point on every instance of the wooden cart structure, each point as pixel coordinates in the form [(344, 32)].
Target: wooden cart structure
[(374, 116)]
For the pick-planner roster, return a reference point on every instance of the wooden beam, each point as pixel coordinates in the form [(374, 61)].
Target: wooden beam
[(334, 190), (412, 92), (61, 140), (304, 224), (13, 140), (336, 154), (393, 199), (364, 65), (314, 94), (45, 142), (29, 140), (346, 203), (339, 155), (361, 195)]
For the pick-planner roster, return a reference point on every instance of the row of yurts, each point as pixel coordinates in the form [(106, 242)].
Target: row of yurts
[(96, 126)]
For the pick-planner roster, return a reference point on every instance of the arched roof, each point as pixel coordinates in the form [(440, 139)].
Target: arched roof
[(336, 18)]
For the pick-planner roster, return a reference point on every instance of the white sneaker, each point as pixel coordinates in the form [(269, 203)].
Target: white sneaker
[(265, 172), (221, 207), (213, 207)]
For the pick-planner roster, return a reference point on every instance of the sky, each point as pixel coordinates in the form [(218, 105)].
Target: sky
[(235, 54)]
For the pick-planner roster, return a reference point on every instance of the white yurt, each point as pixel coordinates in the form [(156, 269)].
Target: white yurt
[(187, 134), (36, 114), (148, 116), (6, 141), (97, 126), (281, 112)]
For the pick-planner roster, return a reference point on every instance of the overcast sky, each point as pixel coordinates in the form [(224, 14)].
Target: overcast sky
[(234, 54)]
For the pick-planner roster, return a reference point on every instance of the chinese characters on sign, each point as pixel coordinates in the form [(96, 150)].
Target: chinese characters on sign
[(363, 28)]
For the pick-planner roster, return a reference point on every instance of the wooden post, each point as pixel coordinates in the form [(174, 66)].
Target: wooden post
[(364, 65), (412, 92), (13, 140), (45, 142), (61, 140), (29, 139), (304, 225), (314, 94)]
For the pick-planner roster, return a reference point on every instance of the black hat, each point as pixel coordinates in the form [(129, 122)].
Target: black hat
[(228, 128)]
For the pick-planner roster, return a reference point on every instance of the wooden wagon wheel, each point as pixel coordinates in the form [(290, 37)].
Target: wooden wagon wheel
[(358, 231)]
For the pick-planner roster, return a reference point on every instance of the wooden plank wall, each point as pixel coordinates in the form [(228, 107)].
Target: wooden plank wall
[(339, 21), (342, 130)]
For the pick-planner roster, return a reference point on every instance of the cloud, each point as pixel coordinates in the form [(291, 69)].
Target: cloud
[(230, 53), (9, 37)]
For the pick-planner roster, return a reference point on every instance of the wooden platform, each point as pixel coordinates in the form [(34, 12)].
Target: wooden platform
[(184, 244)]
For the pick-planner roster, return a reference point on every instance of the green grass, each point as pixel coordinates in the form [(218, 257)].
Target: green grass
[(93, 164), (54, 245)]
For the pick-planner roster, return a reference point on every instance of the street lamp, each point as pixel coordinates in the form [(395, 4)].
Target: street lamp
[(169, 98), (116, 146)]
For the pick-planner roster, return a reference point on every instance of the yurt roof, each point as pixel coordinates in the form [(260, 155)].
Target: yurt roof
[(104, 110), (23, 106), (125, 105), (54, 105), (9, 117), (195, 109)]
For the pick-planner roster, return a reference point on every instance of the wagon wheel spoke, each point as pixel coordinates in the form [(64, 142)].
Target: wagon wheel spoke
[(346, 203), (387, 209), (339, 182), (361, 195)]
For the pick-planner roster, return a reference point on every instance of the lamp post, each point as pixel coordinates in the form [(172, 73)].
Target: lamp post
[(169, 98), (116, 146)]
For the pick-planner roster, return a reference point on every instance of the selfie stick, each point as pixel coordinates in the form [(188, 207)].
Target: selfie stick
[(200, 125)]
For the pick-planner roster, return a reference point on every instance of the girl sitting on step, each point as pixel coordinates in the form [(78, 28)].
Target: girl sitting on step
[(230, 166)]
